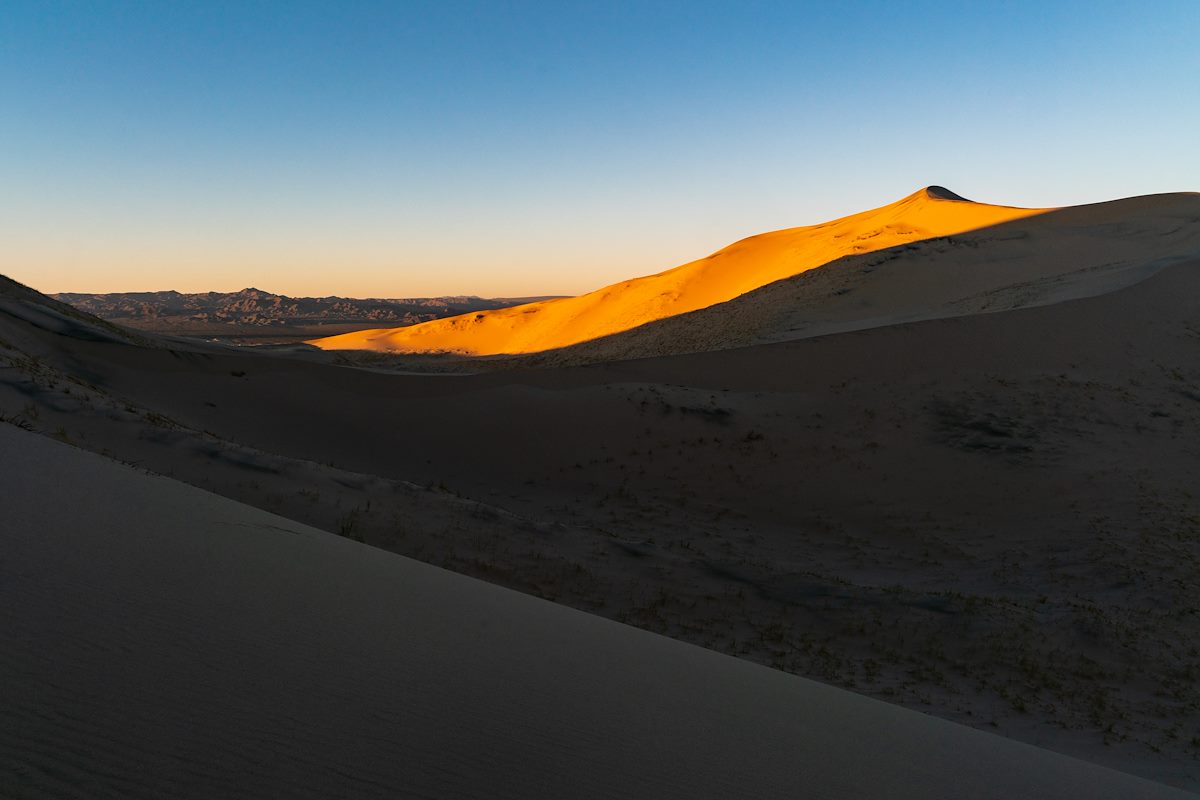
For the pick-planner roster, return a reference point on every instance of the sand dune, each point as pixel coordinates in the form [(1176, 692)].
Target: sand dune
[(45, 313), (743, 266), (1082, 251), (839, 507), (161, 642), (837, 504)]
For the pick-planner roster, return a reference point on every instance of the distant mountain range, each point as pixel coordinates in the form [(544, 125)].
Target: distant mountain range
[(215, 312)]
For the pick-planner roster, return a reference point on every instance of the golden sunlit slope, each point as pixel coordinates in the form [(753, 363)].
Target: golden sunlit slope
[(728, 273), (1061, 255)]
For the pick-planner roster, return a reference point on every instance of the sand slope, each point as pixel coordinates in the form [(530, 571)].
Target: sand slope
[(728, 273), (1081, 251), (44, 313), (159, 641), (840, 507)]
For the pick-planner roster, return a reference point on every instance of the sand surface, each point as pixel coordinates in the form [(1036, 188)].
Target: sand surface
[(989, 515), (732, 271), (159, 641), (1064, 254)]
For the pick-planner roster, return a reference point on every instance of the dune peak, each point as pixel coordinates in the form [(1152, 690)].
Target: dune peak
[(942, 193)]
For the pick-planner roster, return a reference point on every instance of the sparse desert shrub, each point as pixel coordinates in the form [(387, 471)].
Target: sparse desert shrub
[(347, 526)]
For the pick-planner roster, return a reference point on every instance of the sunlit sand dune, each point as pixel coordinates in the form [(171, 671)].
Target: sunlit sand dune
[(728, 273), (1065, 254)]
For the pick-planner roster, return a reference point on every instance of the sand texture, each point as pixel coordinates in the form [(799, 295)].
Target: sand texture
[(159, 641)]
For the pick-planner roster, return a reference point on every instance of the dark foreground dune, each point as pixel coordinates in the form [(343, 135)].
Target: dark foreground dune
[(992, 518), (158, 641)]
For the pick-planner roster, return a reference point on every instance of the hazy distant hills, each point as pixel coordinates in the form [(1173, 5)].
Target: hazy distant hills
[(252, 309)]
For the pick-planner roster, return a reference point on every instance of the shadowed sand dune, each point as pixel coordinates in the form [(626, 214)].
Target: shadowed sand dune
[(728, 273), (840, 507), (39, 311), (159, 641)]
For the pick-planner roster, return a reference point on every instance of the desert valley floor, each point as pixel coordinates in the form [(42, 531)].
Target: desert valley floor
[(954, 469)]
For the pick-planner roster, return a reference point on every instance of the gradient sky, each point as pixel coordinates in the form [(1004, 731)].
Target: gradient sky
[(514, 148)]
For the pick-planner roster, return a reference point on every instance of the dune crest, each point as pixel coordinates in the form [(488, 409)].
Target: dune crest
[(732, 271)]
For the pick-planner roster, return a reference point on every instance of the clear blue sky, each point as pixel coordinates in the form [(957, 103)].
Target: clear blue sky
[(512, 148)]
